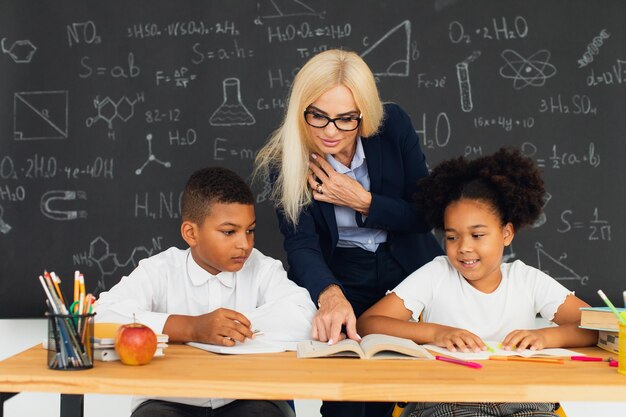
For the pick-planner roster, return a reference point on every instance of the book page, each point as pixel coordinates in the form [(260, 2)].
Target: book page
[(317, 349), (248, 347), (485, 354), (380, 346)]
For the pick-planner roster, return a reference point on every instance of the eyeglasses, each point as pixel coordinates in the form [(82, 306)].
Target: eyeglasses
[(345, 123)]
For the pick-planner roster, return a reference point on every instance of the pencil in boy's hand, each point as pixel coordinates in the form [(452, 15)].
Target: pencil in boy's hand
[(611, 306)]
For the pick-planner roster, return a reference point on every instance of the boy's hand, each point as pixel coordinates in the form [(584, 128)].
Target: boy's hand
[(221, 327), (455, 339), (524, 339)]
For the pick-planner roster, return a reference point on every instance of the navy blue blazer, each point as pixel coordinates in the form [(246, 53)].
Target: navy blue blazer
[(395, 163)]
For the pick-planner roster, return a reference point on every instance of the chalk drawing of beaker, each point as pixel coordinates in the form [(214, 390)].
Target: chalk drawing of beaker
[(232, 111)]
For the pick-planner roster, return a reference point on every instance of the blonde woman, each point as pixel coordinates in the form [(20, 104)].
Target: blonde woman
[(345, 168)]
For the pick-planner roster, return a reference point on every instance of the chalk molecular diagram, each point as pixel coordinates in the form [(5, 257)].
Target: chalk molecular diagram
[(531, 71), (109, 263), (108, 109), (21, 52), (151, 157)]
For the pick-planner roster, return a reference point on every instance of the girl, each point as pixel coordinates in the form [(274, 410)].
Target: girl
[(469, 295)]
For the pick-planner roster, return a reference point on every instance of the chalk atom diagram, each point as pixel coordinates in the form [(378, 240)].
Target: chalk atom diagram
[(392, 50), (532, 71)]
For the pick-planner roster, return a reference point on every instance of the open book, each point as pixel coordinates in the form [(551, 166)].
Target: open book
[(485, 354), (372, 346)]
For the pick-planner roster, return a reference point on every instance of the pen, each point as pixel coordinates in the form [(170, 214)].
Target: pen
[(459, 362), (518, 359), (489, 348), (611, 306), (586, 359)]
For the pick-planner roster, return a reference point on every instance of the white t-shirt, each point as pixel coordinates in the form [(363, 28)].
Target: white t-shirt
[(173, 283), (446, 298)]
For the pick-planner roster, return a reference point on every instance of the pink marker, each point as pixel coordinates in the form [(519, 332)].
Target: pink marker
[(586, 358), (459, 362)]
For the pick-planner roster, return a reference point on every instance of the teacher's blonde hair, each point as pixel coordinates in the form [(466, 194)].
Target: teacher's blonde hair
[(287, 152)]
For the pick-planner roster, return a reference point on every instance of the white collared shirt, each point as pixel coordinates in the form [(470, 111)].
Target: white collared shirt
[(173, 283), (439, 292)]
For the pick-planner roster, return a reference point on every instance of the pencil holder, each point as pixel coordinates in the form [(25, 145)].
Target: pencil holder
[(621, 355), (70, 341)]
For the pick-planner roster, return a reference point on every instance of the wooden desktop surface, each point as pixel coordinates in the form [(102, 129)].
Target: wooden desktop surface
[(189, 372)]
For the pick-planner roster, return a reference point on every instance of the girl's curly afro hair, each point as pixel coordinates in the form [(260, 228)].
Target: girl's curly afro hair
[(508, 181)]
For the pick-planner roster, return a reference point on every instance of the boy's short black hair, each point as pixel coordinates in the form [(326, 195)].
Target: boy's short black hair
[(508, 181), (212, 185)]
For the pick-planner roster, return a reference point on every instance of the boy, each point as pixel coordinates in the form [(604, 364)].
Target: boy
[(191, 294)]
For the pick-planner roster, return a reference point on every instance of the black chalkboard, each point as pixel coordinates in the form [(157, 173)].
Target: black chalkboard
[(107, 107)]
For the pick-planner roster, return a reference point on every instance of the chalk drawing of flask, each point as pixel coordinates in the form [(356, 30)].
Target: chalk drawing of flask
[(232, 111)]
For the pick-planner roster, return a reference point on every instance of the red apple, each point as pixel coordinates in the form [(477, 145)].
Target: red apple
[(135, 344)]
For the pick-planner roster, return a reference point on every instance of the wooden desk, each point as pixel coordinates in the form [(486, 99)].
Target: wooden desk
[(189, 372)]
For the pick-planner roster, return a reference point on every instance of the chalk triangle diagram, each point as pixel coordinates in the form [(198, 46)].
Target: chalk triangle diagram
[(282, 8), (389, 56), (554, 267), (40, 115)]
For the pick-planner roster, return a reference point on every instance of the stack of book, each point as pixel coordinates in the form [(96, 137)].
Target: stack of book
[(104, 342), (605, 321)]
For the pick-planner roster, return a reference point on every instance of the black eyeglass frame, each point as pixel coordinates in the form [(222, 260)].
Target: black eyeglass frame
[(329, 120)]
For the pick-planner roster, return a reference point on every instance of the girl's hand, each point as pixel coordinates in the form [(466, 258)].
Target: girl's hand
[(524, 339), (455, 339), (329, 186)]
